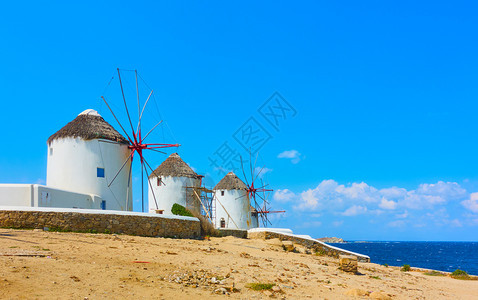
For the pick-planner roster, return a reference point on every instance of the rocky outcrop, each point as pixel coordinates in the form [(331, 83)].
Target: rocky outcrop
[(348, 263), (331, 240)]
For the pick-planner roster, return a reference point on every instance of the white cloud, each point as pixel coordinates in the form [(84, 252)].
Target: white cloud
[(428, 195), (387, 204), (289, 154), (336, 198), (355, 210), (472, 203), (325, 192), (360, 191), (284, 195), (294, 155), (309, 200)]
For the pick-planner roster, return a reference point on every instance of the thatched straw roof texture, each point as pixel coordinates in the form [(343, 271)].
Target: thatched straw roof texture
[(89, 126), (174, 166), (230, 182)]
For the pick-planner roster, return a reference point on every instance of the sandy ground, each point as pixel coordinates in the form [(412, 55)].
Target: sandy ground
[(51, 265)]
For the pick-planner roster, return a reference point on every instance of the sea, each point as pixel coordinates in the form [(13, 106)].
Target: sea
[(440, 256)]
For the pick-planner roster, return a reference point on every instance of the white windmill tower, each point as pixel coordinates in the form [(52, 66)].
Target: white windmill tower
[(85, 155), (172, 182), (233, 209)]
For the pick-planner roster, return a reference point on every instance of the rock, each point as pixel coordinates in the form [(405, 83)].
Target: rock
[(379, 296), (288, 246), (348, 263), (267, 293), (331, 240), (356, 293), (274, 242), (220, 291), (276, 289)]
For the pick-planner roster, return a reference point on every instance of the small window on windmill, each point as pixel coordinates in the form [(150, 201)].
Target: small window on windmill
[(223, 223), (159, 181), (51, 151), (222, 193), (100, 172)]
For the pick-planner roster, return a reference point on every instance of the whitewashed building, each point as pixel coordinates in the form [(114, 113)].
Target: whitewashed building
[(233, 209), (84, 157), (173, 182)]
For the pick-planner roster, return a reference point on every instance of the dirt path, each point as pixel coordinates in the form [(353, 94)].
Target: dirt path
[(50, 265)]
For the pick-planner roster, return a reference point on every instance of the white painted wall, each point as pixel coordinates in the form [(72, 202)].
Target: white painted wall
[(255, 220), (16, 195), (73, 163), (34, 195), (172, 190), (236, 203)]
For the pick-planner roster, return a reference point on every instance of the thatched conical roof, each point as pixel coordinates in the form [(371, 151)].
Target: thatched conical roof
[(89, 125), (174, 166), (230, 182)]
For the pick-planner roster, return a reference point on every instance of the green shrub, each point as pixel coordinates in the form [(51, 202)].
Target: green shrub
[(260, 286), (459, 272), (405, 268), (180, 210)]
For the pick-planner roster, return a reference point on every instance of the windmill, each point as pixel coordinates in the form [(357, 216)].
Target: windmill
[(258, 193), (136, 139)]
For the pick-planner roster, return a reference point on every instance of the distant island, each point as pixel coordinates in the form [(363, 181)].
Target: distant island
[(331, 240)]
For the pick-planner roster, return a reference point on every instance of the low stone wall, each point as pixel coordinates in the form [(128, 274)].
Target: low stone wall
[(312, 244), (121, 223), (239, 233)]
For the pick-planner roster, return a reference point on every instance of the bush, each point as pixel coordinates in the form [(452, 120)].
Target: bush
[(460, 274), (180, 210), (405, 268)]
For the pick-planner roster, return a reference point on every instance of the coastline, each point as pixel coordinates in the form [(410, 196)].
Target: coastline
[(38, 264), (441, 256)]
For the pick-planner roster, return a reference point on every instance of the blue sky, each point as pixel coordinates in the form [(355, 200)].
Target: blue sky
[(380, 139)]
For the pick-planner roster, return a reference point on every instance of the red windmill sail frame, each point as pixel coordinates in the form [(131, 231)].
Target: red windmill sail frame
[(137, 142), (252, 192)]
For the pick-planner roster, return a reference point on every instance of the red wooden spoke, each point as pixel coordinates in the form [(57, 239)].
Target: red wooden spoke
[(126, 106), (136, 142)]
